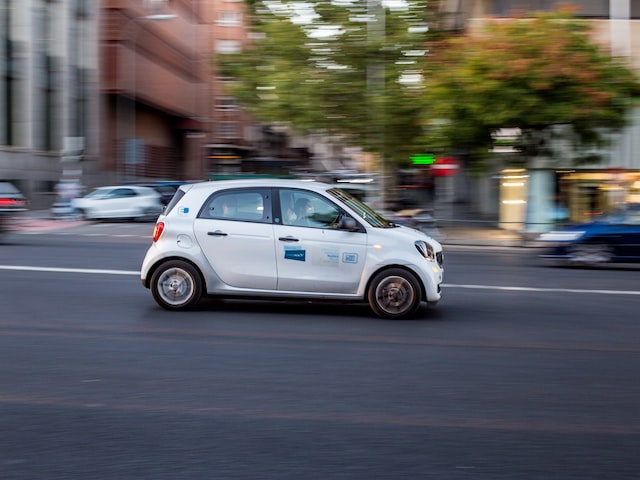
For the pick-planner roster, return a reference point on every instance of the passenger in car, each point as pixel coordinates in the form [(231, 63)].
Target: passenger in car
[(229, 207), (303, 211)]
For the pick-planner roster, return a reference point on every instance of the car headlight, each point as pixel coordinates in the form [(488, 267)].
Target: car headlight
[(426, 250), (559, 236)]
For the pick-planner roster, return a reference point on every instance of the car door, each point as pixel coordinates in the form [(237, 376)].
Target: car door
[(312, 254), (121, 202), (628, 238), (235, 233)]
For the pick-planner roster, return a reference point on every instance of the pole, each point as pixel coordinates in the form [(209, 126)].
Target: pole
[(376, 31)]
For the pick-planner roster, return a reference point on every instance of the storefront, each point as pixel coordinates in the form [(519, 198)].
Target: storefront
[(536, 200)]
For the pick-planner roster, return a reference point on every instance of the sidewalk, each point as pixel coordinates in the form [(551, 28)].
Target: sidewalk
[(461, 233), (480, 235)]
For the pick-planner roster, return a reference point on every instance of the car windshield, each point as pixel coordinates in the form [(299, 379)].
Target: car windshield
[(365, 212)]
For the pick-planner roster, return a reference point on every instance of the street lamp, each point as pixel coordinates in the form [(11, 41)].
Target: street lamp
[(132, 147)]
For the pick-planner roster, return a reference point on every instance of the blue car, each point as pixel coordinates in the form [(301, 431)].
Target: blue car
[(613, 238)]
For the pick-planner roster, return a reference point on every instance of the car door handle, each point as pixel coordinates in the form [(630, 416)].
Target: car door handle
[(217, 233), (288, 239)]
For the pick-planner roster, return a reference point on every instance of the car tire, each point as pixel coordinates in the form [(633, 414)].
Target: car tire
[(176, 285), (394, 294), (81, 214), (590, 253)]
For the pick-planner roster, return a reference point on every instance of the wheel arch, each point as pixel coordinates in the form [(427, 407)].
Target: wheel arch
[(423, 292), (155, 266)]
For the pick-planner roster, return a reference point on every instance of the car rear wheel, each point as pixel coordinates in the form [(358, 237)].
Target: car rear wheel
[(394, 294), (176, 285), (590, 253)]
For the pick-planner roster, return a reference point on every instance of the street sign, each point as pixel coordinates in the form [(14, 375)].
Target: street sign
[(422, 159), (445, 167)]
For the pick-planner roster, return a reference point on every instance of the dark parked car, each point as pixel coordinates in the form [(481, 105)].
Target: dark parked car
[(12, 202), (166, 188), (613, 238)]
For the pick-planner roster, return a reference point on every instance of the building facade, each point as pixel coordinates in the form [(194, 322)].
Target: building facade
[(153, 83), (555, 189), (119, 91), (48, 106)]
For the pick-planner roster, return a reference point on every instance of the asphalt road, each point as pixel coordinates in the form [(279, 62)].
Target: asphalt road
[(521, 372)]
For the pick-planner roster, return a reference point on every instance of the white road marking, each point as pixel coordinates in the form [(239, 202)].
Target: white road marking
[(26, 268), (539, 289), (98, 271)]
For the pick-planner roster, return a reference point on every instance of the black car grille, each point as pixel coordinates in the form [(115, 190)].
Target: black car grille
[(440, 258)]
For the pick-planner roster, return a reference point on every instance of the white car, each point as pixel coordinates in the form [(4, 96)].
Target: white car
[(119, 202), (287, 239)]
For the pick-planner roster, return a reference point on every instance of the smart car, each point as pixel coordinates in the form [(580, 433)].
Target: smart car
[(613, 238), (287, 239)]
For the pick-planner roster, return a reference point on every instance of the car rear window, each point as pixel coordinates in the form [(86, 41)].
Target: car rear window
[(176, 198)]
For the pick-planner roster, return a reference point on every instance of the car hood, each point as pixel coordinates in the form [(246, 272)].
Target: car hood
[(400, 232)]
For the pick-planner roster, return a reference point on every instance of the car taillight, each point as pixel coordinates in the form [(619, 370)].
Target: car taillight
[(157, 231), (11, 202)]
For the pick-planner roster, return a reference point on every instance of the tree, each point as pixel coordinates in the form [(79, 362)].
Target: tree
[(535, 74), (339, 68)]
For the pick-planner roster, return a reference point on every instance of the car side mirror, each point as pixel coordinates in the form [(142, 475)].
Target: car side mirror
[(347, 223)]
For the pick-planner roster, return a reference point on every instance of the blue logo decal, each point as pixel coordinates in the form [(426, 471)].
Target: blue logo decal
[(295, 253), (183, 210), (350, 257)]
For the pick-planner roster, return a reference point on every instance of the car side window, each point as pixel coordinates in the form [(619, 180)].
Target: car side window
[(633, 218), (239, 205), (123, 192), (306, 209)]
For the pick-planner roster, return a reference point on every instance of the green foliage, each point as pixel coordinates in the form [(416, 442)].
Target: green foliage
[(345, 83), (528, 73)]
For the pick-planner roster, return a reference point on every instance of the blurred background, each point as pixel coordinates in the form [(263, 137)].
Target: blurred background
[(131, 91)]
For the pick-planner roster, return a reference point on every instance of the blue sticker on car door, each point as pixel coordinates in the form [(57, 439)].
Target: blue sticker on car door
[(295, 253)]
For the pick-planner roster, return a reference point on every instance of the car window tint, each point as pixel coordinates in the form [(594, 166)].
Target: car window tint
[(633, 218), (176, 198), (240, 205), (300, 208)]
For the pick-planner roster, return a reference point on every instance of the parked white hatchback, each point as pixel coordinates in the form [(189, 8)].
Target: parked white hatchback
[(287, 239), (119, 202)]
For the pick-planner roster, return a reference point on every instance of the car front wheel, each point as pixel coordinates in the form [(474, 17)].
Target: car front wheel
[(394, 294), (176, 285)]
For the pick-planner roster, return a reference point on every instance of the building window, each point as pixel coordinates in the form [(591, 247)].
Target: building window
[(226, 104), (46, 67), (229, 130), (7, 80), (586, 8), (228, 46), (230, 19)]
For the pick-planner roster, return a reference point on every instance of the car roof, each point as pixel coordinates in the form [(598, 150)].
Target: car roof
[(259, 183), (111, 187)]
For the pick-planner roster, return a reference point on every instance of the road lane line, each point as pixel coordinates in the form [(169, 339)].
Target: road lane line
[(542, 289), (25, 268)]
